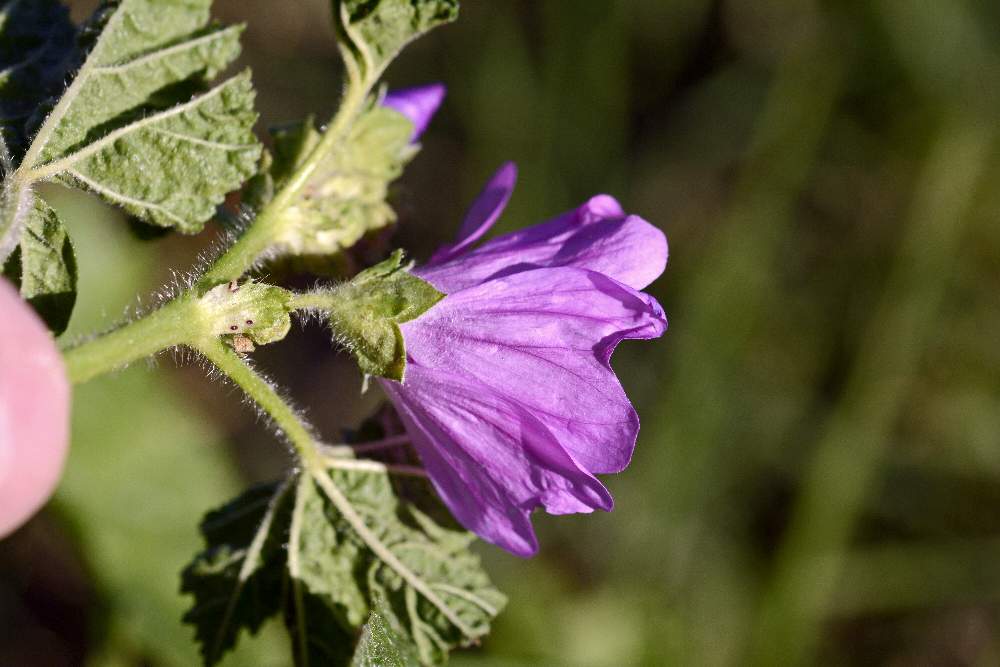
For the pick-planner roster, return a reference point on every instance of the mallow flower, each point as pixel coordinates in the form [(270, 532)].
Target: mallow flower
[(508, 395), (501, 373)]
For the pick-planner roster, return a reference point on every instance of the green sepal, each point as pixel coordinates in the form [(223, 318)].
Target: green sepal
[(43, 266), (258, 311), (365, 314)]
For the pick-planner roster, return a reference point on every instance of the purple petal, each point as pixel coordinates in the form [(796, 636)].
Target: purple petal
[(543, 339), (483, 213), (491, 461), (597, 236), (419, 104)]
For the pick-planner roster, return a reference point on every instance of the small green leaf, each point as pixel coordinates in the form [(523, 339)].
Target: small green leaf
[(44, 266), (256, 310), (237, 581), (37, 46), (383, 643), (375, 31), (345, 197), (135, 127), (365, 315), (348, 571)]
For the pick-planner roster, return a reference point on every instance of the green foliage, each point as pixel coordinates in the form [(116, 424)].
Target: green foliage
[(375, 31), (350, 571), (130, 489), (135, 126), (317, 638), (37, 46), (345, 196), (365, 314), (128, 127), (237, 581), (44, 266), (383, 643), (334, 576)]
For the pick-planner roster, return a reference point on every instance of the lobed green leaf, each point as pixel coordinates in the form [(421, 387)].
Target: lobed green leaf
[(345, 197), (439, 557), (128, 127)]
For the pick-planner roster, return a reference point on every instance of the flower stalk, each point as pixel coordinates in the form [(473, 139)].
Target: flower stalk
[(160, 329), (284, 416)]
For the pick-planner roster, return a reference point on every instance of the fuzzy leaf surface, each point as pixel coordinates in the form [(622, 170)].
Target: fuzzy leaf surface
[(383, 643), (238, 580), (317, 636), (342, 567), (44, 266), (136, 125)]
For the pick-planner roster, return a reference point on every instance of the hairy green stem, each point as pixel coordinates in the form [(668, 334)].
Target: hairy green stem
[(165, 327), (264, 395), (314, 300), (315, 465), (161, 329)]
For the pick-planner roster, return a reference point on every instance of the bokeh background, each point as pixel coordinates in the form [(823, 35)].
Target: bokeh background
[(817, 479)]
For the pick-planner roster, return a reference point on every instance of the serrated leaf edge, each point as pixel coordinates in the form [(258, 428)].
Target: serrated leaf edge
[(385, 554)]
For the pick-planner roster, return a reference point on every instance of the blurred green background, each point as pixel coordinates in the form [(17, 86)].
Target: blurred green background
[(817, 480)]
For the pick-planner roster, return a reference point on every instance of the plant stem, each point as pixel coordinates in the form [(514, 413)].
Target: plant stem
[(313, 300), (257, 388), (264, 395), (162, 328), (166, 326), (266, 228), (294, 568)]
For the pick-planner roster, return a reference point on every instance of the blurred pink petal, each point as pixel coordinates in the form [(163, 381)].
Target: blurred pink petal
[(34, 411)]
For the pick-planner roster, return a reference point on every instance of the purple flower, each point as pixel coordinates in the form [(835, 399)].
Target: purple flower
[(419, 104), (509, 397)]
